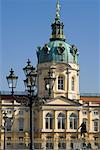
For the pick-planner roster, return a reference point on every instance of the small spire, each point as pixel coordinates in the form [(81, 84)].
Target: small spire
[(58, 6), (57, 26)]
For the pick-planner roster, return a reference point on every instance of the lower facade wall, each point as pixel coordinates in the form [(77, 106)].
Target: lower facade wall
[(76, 144)]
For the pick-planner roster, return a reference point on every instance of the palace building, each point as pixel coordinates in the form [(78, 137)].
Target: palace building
[(63, 109)]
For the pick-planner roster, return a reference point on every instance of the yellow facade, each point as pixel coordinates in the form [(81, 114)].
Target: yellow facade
[(43, 133)]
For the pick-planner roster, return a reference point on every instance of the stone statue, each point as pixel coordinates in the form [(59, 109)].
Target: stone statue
[(83, 129)]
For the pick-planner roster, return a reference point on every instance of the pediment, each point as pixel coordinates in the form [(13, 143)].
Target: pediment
[(62, 101)]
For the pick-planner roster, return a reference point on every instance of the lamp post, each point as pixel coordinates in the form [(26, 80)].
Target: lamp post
[(49, 81), (30, 84), (12, 80)]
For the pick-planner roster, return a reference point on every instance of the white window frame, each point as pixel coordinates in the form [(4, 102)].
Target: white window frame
[(49, 121), (74, 120), (61, 120), (61, 80)]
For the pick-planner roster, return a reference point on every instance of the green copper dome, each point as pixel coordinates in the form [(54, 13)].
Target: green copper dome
[(57, 50)]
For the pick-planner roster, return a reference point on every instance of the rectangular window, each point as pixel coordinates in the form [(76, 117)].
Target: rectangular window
[(95, 112), (73, 84), (49, 145), (96, 125), (62, 145), (21, 124), (60, 83), (46, 123), (71, 124), (8, 124)]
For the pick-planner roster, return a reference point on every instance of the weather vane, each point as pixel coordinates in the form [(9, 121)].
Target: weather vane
[(58, 9)]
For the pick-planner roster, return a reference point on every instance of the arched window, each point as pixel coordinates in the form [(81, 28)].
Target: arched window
[(61, 83), (61, 121), (96, 124), (73, 121), (49, 121), (86, 122), (73, 84)]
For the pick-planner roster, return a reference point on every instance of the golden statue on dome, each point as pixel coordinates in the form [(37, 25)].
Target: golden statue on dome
[(58, 9)]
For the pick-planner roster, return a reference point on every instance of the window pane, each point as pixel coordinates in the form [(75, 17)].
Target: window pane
[(73, 121), (49, 121), (49, 145), (21, 124), (62, 145), (61, 121), (58, 123), (96, 125), (71, 124), (46, 123), (60, 83), (9, 124)]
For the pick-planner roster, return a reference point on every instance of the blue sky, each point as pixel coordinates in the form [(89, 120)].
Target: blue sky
[(26, 24)]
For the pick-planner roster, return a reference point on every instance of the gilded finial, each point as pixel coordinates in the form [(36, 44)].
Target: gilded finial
[(58, 9)]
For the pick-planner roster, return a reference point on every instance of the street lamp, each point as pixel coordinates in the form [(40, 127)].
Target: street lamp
[(49, 81), (12, 80), (30, 84)]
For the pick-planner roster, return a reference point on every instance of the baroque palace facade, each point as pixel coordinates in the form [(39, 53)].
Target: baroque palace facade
[(56, 121)]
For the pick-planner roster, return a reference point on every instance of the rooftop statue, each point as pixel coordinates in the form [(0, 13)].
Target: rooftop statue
[(58, 10)]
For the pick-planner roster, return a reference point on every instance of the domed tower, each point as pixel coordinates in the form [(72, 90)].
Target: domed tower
[(58, 69)]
